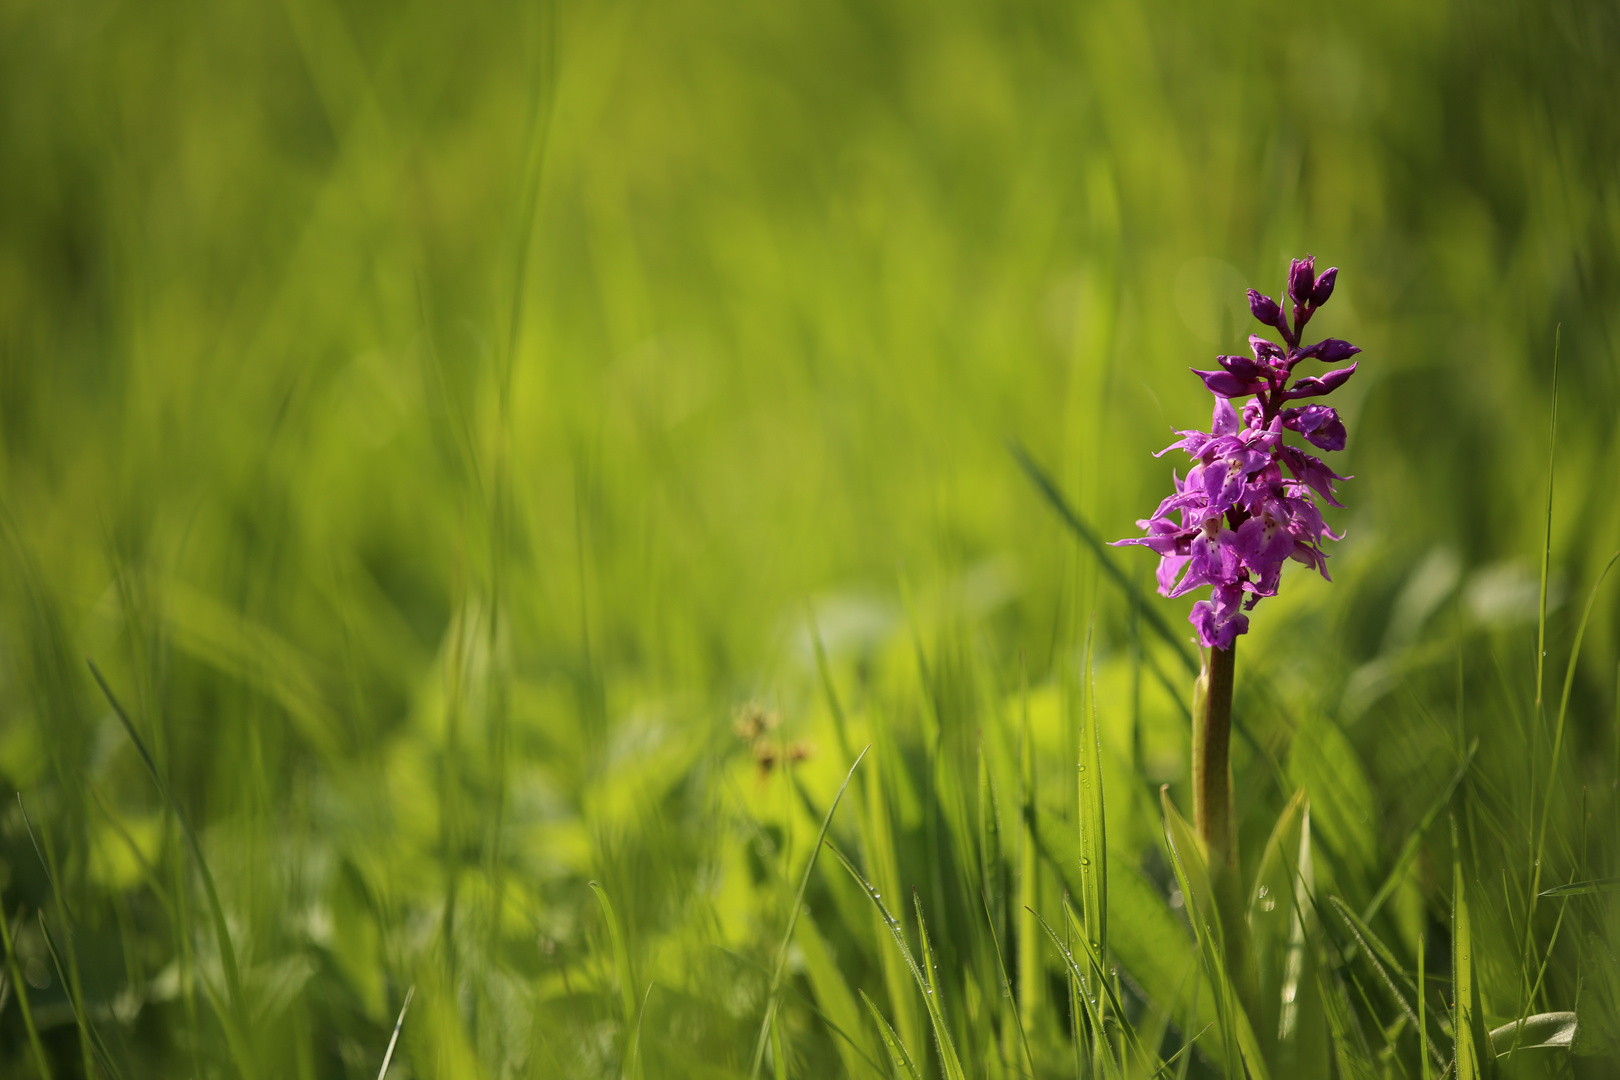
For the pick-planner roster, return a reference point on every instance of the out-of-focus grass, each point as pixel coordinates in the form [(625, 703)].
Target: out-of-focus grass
[(438, 422)]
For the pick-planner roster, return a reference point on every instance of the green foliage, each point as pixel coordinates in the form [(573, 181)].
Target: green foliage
[(492, 451)]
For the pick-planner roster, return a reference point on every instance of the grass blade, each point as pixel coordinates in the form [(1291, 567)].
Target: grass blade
[(1006, 987), (237, 1018), (952, 1065), (793, 917), (1554, 1030), (1422, 1007), (1087, 994), (621, 953), (21, 988), (393, 1040), (1462, 968), (1379, 955), (1187, 860), (897, 1049), (1415, 837), (75, 1002), (1582, 888), (1546, 547), (1093, 827)]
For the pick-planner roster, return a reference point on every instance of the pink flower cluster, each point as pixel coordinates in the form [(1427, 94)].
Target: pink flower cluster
[(1247, 505)]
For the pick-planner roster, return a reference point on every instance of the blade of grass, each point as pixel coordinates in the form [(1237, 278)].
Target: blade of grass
[(897, 1049), (1379, 955), (1114, 1002), (89, 1040), (236, 1017), (1093, 827), (832, 1025), (633, 1069), (1558, 741), (75, 999), (393, 1040), (1415, 837), (1180, 1056), (1555, 1030), (20, 986), (621, 953), (1462, 968), (1029, 864), (829, 688), (1086, 998), (1006, 988), (793, 917), (1186, 859), (951, 1064), (1546, 547), (1582, 888), (1422, 1008)]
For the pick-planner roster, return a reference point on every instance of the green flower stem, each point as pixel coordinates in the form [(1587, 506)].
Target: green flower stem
[(1211, 759), (1216, 822)]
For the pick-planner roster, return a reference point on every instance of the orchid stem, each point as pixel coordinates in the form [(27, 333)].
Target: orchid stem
[(1216, 820), (1211, 759)]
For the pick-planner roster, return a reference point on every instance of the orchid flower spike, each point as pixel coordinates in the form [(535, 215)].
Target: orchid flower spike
[(1248, 502)]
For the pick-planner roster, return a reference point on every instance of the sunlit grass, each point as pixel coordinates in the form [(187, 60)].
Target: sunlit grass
[(490, 452)]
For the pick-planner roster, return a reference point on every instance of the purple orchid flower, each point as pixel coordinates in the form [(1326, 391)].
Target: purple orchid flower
[(1248, 504)]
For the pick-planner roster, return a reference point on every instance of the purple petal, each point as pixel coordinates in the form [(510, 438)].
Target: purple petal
[(1314, 386), (1225, 384), (1224, 421), (1318, 423), (1264, 351), (1302, 279), (1324, 286), (1264, 308), (1241, 366), (1330, 351), (1169, 567)]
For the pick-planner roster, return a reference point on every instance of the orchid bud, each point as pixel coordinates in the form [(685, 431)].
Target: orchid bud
[(1324, 286), (1241, 366), (1265, 351), (1316, 387), (1331, 350), (1225, 384), (1264, 308), (1302, 279)]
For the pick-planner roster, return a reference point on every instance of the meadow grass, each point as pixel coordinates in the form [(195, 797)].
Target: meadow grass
[(566, 541)]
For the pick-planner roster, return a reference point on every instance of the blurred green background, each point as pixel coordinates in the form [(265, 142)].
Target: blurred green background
[(437, 421)]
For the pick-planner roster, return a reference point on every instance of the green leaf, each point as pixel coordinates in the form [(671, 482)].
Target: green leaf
[(235, 1016), (1087, 995), (793, 916), (897, 1049), (1583, 888), (832, 992), (1093, 828), (1553, 1030), (952, 1065), (1343, 808), (621, 954), (1462, 968), (1187, 860)]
